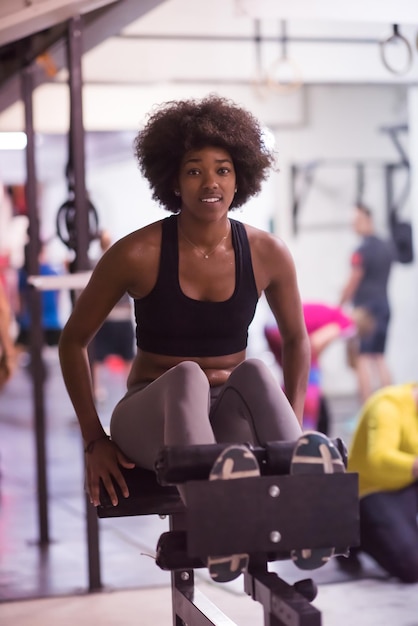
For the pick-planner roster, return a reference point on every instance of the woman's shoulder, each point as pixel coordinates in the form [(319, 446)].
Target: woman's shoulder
[(131, 261), (136, 250), (149, 235), (264, 241)]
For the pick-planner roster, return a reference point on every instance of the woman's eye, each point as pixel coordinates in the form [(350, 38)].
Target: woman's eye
[(224, 170)]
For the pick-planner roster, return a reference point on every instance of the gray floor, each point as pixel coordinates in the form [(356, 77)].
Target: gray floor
[(49, 584)]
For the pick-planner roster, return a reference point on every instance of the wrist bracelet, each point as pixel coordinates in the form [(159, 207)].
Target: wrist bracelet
[(90, 446)]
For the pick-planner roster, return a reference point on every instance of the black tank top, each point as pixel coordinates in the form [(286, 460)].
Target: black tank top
[(169, 322)]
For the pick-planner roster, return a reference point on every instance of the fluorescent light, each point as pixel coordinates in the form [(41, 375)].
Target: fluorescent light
[(13, 141)]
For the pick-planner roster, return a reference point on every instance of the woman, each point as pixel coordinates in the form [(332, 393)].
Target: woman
[(195, 278)]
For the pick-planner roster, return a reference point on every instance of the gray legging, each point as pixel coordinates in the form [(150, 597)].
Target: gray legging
[(180, 408)]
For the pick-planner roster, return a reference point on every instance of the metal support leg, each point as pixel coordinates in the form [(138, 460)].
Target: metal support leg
[(77, 153), (36, 333), (190, 606), (283, 604)]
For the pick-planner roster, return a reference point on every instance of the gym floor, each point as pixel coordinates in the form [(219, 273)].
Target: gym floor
[(49, 585)]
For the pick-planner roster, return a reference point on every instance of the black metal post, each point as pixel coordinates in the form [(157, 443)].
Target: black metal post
[(35, 303), (77, 167), (389, 169), (77, 143)]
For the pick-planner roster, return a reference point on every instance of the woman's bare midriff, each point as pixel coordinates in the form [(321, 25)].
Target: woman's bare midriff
[(148, 366)]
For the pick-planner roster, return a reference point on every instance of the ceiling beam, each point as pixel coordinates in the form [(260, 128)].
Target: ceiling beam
[(99, 25), (20, 19), (18, 54)]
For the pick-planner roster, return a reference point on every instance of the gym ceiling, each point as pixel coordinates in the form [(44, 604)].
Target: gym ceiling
[(177, 47)]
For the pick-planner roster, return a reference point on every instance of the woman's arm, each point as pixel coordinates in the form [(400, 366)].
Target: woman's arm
[(106, 286), (322, 337), (351, 286), (282, 293)]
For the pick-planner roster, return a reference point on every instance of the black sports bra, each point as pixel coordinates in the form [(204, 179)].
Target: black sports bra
[(169, 322)]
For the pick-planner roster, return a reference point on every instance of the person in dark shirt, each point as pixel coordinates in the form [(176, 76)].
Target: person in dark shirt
[(367, 290), (195, 278)]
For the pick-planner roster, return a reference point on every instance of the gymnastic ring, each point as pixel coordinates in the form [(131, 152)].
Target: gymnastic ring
[(285, 87), (66, 223), (396, 36)]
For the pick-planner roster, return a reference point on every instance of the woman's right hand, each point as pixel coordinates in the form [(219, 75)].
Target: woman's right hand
[(103, 462)]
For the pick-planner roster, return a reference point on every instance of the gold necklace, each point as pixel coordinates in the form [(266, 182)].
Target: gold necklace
[(204, 254)]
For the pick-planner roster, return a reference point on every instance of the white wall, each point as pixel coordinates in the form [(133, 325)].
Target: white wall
[(344, 124)]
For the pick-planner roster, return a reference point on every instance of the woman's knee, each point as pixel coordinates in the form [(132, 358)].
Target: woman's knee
[(253, 376), (254, 369), (189, 373)]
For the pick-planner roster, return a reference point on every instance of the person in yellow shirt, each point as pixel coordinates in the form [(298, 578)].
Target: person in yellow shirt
[(384, 452)]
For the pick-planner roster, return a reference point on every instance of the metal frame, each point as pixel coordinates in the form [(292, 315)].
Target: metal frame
[(187, 545), (99, 25), (35, 304), (76, 134)]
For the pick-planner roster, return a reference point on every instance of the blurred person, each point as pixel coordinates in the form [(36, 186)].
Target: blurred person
[(367, 291), (384, 453), (7, 348), (324, 324), (51, 323)]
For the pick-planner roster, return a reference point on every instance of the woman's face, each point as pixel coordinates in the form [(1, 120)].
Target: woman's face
[(207, 182)]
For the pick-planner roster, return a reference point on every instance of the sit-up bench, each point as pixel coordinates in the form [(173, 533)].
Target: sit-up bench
[(265, 516)]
